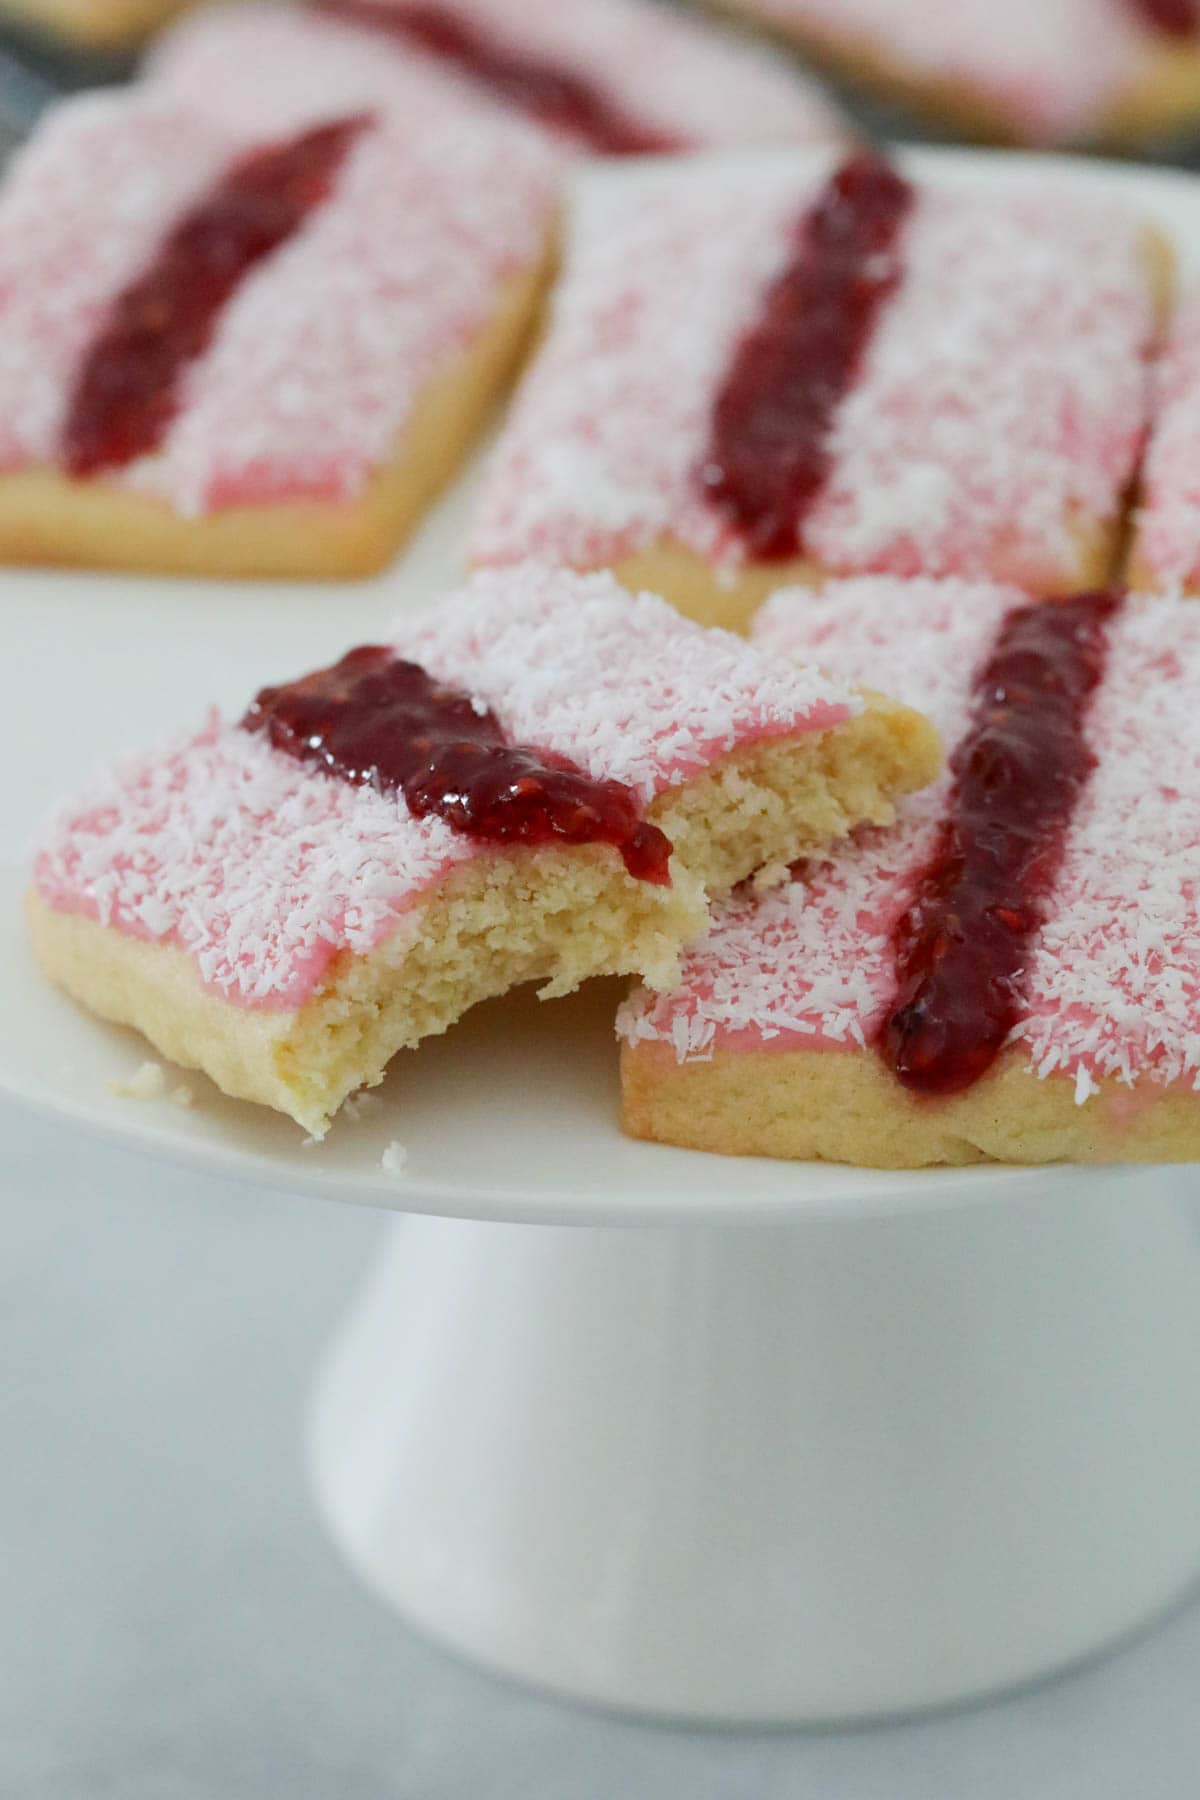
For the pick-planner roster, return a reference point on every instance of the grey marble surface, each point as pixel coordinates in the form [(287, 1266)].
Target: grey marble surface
[(173, 1625)]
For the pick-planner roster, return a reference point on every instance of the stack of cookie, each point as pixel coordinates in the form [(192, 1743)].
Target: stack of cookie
[(912, 409), (256, 306)]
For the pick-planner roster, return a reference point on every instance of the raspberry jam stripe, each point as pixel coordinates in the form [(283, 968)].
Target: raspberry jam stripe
[(546, 92), (962, 946), (127, 391), (1173, 18), (374, 719), (768, 450)]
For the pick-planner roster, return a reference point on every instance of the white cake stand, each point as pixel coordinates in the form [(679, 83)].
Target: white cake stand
[(708, 1438), (712, 1438)]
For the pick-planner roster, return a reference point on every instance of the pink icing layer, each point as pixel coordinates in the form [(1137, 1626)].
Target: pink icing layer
[(1001, 403), (682, 76), (1114, 984), (1167, 548), (263, 869), (317, 359), (1051, 68)]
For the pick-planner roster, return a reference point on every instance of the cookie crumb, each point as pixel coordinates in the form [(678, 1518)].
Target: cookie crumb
[(149, 1082), (394, 1158)]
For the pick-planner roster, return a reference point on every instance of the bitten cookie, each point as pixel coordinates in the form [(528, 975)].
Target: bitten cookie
[(1012, 970), (540, 779), (775, 368), (618, 77), (255, 349), (1074, 71)]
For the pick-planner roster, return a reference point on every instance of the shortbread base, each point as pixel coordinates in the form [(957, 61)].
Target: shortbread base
[(551, 915), (730, 598), (492, 924), (47, 517), (844, 1106)]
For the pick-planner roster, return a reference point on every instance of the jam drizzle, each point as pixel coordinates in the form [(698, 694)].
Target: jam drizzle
[(553, 96), (768, 449), (127, 390), (375, 720), (1173, 18), (962, 945)]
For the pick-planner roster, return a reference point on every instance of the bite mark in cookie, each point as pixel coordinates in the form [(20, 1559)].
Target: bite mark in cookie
[(288, 922)]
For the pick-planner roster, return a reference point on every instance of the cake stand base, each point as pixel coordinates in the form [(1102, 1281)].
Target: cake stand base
[(826, 1471)]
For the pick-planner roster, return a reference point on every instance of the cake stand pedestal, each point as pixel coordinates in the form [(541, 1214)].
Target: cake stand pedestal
[(703, 1437), (842, 1467)]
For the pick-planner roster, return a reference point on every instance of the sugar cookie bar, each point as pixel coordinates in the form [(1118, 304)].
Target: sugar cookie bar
[(255, 349), (779, 367), (613, 76), (540, 779), (1075, 71), (1012, 970), (1165, 552)]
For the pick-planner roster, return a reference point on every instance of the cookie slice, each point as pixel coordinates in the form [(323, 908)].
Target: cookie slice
[(538, 780), (1012, 971), (255, 350), (1075, 71), (769, 369), (615, 77)]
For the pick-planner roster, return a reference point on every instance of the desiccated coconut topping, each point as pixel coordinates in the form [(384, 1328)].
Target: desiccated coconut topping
[(994, 421), (1113, 986)]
